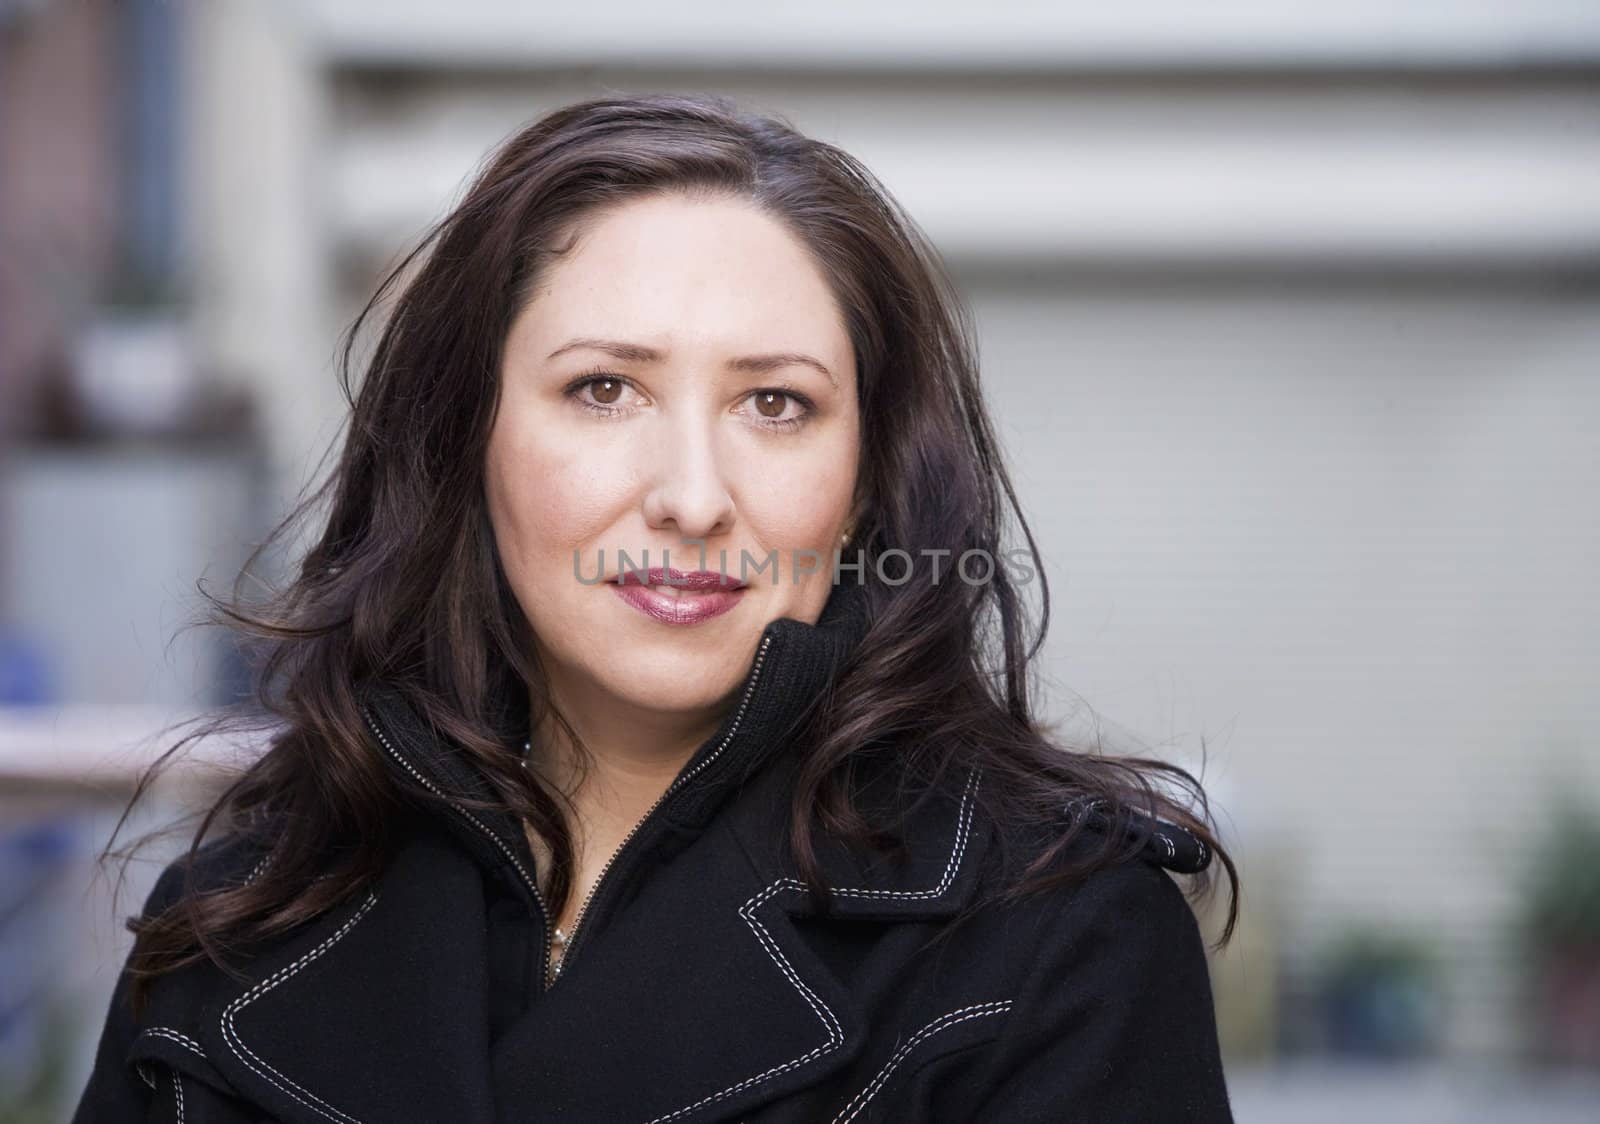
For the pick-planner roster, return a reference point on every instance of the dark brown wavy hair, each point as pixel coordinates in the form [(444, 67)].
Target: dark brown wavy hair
[(402, 579)]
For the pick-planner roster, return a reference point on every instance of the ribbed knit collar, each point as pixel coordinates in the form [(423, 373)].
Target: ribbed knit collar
[(793, 667)]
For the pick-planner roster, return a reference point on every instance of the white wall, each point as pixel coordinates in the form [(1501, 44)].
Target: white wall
[(1348, 535)]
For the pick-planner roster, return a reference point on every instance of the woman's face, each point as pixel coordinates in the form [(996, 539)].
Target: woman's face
[(683, 374)]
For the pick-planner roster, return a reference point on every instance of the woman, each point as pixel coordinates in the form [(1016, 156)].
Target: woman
[(652, 738)]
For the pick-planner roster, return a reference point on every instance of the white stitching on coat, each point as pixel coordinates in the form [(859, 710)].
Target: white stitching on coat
[(383, 740), (1202, 859), (177, 1093), (255, 871), (829, 1020), (176, 1036), (259, 1066), (943, 1022), (1198, 842)]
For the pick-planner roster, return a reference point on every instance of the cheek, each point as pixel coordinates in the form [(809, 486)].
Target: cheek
[(799, 502), (547, 499)]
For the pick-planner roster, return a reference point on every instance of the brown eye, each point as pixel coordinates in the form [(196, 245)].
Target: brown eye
[(771, 403), (607, 391)]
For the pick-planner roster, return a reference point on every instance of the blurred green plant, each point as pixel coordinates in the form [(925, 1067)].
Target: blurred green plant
[(127, 289), (130, 295), (1561, 897), (1379, 990), (1557, 932), (40, 1094)]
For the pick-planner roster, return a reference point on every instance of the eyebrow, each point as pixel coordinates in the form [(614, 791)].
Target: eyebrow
[(748, 364)]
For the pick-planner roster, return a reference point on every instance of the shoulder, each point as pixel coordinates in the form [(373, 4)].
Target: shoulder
[(1114, 896), (1112, 1008), (120, 1084), (1132, 914), (221, 863), (1112, 913), (226, 862)]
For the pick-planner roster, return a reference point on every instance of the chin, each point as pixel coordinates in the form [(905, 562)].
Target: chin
[(686, 684)]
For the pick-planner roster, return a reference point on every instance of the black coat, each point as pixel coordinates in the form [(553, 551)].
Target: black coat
[(701, 985)]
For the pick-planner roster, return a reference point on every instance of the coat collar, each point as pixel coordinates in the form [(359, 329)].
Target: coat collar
[(793, 666)]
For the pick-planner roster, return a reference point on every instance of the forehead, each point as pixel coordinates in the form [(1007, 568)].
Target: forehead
[(709, 272)]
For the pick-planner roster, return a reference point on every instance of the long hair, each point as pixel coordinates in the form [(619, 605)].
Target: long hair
[(401, 579)]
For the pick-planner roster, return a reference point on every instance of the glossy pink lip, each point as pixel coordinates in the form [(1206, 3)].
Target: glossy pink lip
[(705, 593), (688, 580)]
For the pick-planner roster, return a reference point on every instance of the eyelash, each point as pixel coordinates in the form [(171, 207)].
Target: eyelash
[(574, 388)]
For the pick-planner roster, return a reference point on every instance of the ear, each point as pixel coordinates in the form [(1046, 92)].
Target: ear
[(859, 506)]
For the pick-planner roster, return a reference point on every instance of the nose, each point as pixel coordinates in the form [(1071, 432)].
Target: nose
[(687, 492)]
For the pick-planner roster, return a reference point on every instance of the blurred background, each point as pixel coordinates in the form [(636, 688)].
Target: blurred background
[(1288, 316)]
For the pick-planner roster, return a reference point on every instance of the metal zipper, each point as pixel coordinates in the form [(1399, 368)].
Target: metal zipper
[(527, 879), (678, 782)]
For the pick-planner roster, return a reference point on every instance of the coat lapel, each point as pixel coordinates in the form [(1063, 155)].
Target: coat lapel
[(935, 879), (694, 1003), (376, 1011), (701, 999)]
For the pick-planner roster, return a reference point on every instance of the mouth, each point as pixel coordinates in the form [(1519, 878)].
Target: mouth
[(671, 582), (678, 597)]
